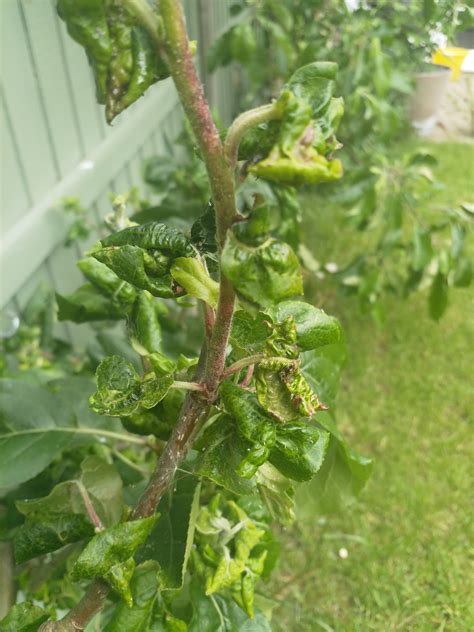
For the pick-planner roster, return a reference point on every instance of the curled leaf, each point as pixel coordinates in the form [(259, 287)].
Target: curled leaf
[(110, 555), (142, 270), (314, 328), (299, 450), (88, 303), (230, 552), (254, 425), (152, 236), (303, 140), (122, 54), (146, 326), (283, 391), (120, 390), (265, 274), (144, 591), (190, 274), (143, 255)]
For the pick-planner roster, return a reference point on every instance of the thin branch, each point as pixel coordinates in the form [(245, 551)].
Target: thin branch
[(243, 123)]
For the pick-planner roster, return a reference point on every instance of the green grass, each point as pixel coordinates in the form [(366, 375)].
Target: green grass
[(407, 400)]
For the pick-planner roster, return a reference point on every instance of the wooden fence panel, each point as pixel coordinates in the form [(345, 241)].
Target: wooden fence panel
[(55, 142)]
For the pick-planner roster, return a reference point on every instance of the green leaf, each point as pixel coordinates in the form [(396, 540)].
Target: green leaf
[(146, 325), (221, 453), (110, 555), (303, 166), (283, 391), (87, 304), (299, 450), (103, 484), (253, 422), (322, 368), (190, 274), (463, 273), (340, 479), (61, 517), (30, 417), (52, 533), (171, 538), (144, 590), (134, 265), (277, 492), (122, 54), (429, 7), (217, 614), (250, 334), (142, 256), (314, 328), (264, 275), (254, 425), (107, 281), (203, 231), (120, 390), (422, 248), (38, 422), (152, 236), (232, 548), (314, 82), (303, 145), (438, 298), (23, 617), (86, 22)]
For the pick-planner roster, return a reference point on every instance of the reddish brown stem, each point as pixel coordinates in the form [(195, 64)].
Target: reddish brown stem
[(210, 369)]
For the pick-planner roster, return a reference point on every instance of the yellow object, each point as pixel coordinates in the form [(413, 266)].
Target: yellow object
[(453, 57)]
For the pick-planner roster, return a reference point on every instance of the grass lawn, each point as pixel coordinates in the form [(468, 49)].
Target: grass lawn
[(407, 400)]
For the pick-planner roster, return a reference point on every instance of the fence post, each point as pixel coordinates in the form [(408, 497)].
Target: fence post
[(206, 35)]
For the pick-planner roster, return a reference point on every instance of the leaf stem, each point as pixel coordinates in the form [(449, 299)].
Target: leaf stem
[(243, 363), (130, 438), (243, 123), (188, 386), (129, 463), (147, 18), (91, 512), (248, 376)]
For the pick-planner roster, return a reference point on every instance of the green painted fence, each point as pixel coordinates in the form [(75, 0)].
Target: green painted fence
[(55, 143)]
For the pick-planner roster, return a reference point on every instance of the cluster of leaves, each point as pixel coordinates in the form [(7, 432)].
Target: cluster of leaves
[(194, 564), (412, 245), (376, 79), (121, 52)]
